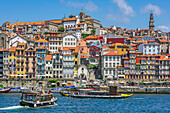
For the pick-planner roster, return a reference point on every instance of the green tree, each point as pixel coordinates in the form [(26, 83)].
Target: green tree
[(61, 29), (93, 31)]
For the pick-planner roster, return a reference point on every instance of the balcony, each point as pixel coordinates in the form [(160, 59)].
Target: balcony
[(68, 59), (40, 63), (68, 65)]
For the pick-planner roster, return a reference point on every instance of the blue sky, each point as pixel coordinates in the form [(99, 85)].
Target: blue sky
[(130, 14)]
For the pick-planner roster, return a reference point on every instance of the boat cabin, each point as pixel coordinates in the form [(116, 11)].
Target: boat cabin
[(36, 97)]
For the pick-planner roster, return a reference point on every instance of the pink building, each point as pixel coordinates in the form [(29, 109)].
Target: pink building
[(83, 47), (30, 63)]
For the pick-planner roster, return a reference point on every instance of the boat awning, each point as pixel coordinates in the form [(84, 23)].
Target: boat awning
[(95, 82), (83, 81), (18, 75), (111, 82), (63, 83), (147, 82)]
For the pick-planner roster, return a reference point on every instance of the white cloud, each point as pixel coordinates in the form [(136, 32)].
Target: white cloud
[(153, 8), (125, 8), (89, 6), (117, 18), (164, 28)]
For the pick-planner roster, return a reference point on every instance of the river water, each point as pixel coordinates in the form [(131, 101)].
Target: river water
[(135, 104)]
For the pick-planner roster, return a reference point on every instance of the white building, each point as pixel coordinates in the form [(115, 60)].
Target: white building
[(57, 65), (101, 31), (41, 43), (69, 40), (49, 66), (83, 72), (15, 40), (68, 66), (55, 41), (110, 61), (150, 48)]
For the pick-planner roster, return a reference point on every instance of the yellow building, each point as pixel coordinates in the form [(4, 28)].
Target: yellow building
[(20, 60), (12, 62), (120, 48)]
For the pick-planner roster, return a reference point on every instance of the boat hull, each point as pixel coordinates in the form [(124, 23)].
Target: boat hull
[(100, 97), (5, 90), (41, 104), (65, 94)]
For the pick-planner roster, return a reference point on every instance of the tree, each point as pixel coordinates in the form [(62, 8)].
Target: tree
[(61, 29), (93, 31)]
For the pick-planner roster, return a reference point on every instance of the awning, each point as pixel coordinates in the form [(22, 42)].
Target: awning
[(53, 83), (121, 75)]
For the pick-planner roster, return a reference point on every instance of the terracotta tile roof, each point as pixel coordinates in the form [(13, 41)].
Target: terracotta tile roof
[(56, 21), (105, 47), (29, 23), (89, 18), (1, 45), (21, 44), (80, 24), (41, 40), (111, 54), (102, 28), (131, 49), (78, 28), (1, 49), (164, 40), (53, 32), (70, 19), (49, 57), (86, 15), (57, 53), (87, 22), (12, 49), (83, 56), (130, 39), (67, 54), (43, 47), (91, 37), (5, 49), (126, 58)]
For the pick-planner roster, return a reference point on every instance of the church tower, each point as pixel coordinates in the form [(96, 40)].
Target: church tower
[(151, 22)]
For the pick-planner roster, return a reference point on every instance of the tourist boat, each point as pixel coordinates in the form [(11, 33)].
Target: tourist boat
[(89, 93), (36, 99), (5, 90), (63, 93)]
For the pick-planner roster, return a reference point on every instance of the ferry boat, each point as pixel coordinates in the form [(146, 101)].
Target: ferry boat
[(5, 90), (89, 93), (36, 99)]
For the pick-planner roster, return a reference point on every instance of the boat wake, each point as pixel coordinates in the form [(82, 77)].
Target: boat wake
[(12, 107)]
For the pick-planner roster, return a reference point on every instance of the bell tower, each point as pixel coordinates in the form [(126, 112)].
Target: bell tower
[(151, 22)]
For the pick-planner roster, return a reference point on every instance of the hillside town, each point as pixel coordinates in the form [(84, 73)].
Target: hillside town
[(79, 49)]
